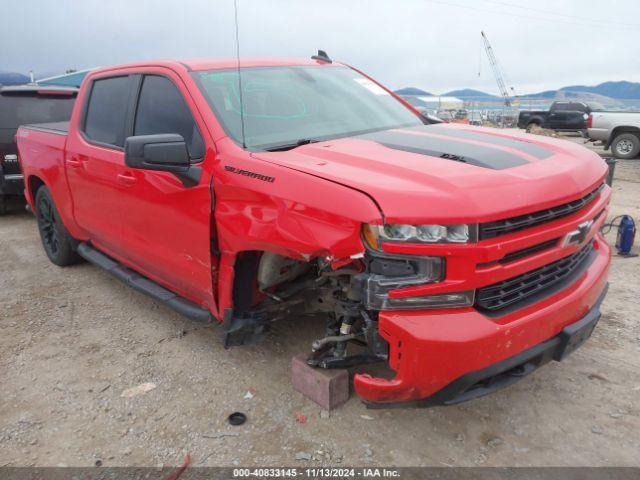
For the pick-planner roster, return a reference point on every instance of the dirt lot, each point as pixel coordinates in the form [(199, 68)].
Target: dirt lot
[(73, 339)]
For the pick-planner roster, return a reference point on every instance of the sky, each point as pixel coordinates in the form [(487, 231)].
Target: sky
[(430, 44)]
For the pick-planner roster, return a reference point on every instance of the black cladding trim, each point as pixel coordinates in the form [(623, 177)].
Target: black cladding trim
[(449, 148), (143, 284), (522, 145)]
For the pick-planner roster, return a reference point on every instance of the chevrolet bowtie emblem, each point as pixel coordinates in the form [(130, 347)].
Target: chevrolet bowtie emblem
[(577, 236)]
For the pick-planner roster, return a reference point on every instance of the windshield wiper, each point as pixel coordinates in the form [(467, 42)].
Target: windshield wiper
[(290, 146)]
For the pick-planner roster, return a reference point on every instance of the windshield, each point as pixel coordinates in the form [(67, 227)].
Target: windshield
[(287, 106)]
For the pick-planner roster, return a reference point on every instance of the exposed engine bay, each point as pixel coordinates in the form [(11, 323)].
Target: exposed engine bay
[(269, 287)]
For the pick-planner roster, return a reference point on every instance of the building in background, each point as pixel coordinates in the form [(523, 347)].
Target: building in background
[(435, 102), (72, 79)]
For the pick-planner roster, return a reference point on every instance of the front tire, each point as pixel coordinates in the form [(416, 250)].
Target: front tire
[(3, 205), (626, 146), (56, 240)]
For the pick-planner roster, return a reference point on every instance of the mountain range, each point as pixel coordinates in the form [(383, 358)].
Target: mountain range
[(12, 78), (622, 90)]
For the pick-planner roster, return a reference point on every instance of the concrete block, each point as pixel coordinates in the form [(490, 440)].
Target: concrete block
[(328, 388)]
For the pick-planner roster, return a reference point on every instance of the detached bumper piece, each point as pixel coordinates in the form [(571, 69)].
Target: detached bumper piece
[(507, 372)]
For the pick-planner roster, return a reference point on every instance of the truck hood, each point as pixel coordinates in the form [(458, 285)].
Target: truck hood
[(451, 173)]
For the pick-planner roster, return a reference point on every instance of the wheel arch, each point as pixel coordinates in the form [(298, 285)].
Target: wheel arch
[(32, 185), (619, 130)]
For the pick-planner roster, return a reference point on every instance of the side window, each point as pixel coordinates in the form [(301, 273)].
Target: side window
[(105, 117), (161, 109)]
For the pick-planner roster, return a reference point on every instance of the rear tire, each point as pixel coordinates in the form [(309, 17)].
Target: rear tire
[(3, 205), (56, 240), (532, 126), (626, 146)]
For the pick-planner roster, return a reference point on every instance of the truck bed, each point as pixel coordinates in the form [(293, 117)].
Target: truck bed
[(41, 149), (60, 128)]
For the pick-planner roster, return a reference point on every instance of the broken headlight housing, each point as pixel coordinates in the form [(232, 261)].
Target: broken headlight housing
[(376, 235), (391, 272)]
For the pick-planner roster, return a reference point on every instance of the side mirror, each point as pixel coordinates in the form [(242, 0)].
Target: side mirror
[(165, 152)]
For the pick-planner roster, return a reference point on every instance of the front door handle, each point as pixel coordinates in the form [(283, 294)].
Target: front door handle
[(73, 163), (126, 179)]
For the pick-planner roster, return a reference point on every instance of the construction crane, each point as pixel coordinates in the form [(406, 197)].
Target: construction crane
[(497, 71)]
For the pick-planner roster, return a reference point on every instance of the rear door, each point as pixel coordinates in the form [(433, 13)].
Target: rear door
[(95, 161), (166, 222)]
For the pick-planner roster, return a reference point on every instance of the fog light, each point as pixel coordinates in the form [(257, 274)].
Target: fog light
[(444, 300)]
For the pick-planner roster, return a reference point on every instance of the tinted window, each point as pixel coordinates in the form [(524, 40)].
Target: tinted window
[(107, 110), (570, 107), (19, 108), (161, 109)]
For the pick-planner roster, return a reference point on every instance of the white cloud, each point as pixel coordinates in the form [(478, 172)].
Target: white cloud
[(431, 44)]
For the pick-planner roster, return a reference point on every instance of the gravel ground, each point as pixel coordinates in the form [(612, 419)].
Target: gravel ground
[(74, 339)]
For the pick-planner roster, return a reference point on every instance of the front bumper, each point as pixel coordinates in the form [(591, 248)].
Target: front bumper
[(452, 355)]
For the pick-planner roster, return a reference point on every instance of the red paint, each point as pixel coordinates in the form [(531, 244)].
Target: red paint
[(321, 196), (430, 349)]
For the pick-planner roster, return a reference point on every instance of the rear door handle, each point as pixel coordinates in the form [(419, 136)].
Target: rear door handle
[(126, 179)]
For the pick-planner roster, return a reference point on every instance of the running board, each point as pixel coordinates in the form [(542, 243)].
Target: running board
[(143, 284)]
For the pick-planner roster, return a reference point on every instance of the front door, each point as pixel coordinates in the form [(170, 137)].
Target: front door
[(166, 220)]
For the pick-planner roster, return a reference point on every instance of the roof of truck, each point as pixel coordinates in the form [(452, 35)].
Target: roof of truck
[(250, 62), (221, 63)]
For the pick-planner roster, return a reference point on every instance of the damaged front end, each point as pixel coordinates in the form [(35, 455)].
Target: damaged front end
[(286, 287), (349, 293)]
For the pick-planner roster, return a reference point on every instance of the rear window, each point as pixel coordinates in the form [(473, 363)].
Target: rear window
[(107, 110), (22, 108), (570, 106)]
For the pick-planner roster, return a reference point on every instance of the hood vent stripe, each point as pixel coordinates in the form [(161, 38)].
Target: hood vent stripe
[(449, 149), (517, 144)]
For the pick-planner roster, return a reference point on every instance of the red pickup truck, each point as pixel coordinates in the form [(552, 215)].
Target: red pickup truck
[(462, 257)]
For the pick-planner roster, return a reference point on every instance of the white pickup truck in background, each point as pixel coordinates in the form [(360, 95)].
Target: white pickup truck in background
[(619, 131)]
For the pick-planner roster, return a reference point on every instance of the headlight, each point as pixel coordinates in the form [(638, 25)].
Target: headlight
[(391, 272), (375, 235)]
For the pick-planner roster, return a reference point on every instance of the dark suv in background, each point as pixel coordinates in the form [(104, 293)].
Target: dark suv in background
[(20, 105), (563, 116)]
